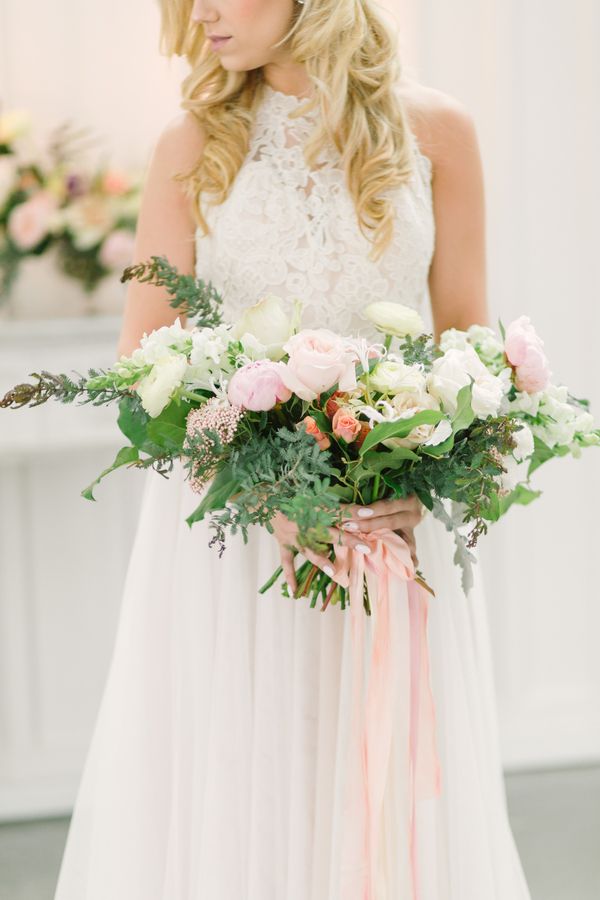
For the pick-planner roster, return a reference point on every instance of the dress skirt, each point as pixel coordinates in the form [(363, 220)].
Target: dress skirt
[(216, 765)]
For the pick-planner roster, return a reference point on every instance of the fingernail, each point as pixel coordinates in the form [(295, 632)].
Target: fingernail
[(328, 570), (364, 511), (362, 548), (350, 526)]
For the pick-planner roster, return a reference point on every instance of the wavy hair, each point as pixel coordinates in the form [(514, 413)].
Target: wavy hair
[(351, 58)]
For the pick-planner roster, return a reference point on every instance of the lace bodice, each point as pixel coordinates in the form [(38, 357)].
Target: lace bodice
[(292, 231)]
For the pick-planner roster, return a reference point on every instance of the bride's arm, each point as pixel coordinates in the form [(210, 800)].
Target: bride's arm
[(457, 276), (165, 227)]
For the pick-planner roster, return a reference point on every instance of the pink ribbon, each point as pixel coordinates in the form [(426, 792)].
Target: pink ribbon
[(399, 673)]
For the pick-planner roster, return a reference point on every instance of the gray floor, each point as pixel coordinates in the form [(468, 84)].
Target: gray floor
[(555, 817)]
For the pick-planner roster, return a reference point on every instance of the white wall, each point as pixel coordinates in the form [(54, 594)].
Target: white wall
[(529, 72)]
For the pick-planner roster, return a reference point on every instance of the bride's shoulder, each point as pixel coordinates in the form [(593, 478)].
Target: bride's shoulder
[(180, 142), (443, 125)]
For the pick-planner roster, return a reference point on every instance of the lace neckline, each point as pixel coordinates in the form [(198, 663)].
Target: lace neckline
[(293, 101)]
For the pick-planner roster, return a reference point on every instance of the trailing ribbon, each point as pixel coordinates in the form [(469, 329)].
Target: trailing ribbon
[(399, 673)]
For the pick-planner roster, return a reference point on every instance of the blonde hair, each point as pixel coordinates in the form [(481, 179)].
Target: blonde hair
[(351, 57)]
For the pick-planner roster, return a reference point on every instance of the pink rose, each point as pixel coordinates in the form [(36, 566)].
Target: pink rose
[(312, 428), (524, 351), (116, 251), (318, 359), (258, 386), (29, 221), (345, 426), (115, 183)]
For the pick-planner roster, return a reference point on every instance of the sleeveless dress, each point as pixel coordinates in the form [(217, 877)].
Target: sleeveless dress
[(215, 766)]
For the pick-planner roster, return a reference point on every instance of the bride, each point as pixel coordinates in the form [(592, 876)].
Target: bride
[(302, 165)]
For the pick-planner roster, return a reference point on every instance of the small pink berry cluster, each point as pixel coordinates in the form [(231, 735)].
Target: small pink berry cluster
[(218, 416)]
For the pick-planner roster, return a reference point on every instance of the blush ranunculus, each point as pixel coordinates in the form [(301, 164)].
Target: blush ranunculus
[(345, 426), (116, 251), (29, 222), (318, 359), (524, 351), (312, 428), (258, 386)]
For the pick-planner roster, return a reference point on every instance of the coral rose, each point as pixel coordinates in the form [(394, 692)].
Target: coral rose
[(345, 426)]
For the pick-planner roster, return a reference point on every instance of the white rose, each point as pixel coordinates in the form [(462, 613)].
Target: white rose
[(451, 372), (408, 404), (156, 388), (390, 377), (268, 323), (394, 318)]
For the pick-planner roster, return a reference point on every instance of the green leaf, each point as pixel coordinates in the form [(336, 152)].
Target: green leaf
[(502, 329), (124, 456), (221, 489), (521, 494), (438, 450), (542, 453), (166, 435), (377, 460), (464, 415), (341, 490), (400, 428)]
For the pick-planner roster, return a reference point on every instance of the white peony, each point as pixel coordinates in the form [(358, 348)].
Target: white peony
[(394, 318), (267, 323), (156, 388), (451, 372)]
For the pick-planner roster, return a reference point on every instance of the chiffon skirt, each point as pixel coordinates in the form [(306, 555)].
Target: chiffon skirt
[(216, 764)]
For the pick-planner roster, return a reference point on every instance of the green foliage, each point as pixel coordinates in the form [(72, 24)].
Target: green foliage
[(420, 351), (124, 457), (196, 298)]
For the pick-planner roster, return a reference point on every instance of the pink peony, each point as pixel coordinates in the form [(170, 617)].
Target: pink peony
[(524, 351), (28, 223), (345, 426), (312, 428), (116, 251), (318, 359), (258, 385)]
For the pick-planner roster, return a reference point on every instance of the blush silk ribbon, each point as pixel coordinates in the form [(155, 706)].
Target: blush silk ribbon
[(399, 673)]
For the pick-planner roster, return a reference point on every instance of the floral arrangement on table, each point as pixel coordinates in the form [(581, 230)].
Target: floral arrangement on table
[(265, 417), (53, 199)]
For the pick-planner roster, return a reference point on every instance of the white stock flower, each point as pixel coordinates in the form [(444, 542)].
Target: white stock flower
[(156, 388), (453, 339), (524, 441), (394, 318), (451, 372), (169, 340), (488, 346)]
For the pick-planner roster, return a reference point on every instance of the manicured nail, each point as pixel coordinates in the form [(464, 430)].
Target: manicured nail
[(362, 548), (328, 570), (350, 526), (364, 511)]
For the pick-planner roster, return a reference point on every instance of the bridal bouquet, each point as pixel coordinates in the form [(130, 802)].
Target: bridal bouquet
[(266, 417)]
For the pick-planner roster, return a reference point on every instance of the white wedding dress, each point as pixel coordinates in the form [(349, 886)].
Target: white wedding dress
[(215, 767)]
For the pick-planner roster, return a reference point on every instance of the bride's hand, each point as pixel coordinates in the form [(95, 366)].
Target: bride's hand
[(401, 516), (286, 533)]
